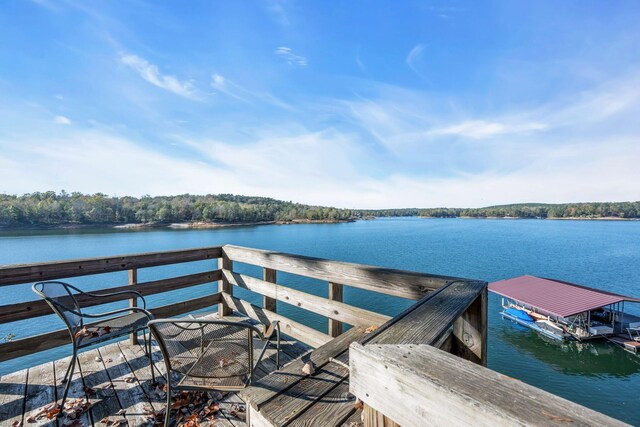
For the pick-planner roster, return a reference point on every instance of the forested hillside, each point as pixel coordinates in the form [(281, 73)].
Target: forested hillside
[(51, 209)]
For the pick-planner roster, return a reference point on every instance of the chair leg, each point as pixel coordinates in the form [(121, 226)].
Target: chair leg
[(278, 348), (147, 347), (167, 412), (70, 370)]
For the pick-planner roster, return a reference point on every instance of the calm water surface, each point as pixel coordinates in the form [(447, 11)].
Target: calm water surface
[(594, 253)]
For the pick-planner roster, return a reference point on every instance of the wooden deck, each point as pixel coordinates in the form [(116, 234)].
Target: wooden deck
[(116, 381)]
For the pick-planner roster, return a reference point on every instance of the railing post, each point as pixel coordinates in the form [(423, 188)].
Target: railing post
[(373, 418), (133, 302), (269, 275), (470, 331), (224, 263), (335, 294)]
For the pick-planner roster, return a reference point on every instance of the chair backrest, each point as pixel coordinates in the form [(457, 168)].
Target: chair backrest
[(206, 348), (60, 298)]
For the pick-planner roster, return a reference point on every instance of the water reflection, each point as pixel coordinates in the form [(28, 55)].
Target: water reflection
[(595, 358)]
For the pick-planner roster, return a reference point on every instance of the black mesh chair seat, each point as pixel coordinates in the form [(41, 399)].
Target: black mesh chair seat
[(210, 354), (117, 327)]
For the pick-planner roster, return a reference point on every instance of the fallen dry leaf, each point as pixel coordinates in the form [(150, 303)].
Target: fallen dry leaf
[(89, 391), (52, 413), (371, 329)]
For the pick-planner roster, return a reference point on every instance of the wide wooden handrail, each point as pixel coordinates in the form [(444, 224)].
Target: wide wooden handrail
[(400, 283), (412, 384)]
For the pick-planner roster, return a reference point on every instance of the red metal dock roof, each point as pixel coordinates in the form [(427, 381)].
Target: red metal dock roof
[(555, 297)]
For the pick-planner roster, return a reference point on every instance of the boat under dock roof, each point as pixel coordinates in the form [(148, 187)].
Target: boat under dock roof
[(554, 297)]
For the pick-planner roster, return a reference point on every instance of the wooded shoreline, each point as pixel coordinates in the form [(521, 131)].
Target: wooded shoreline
[(203, 226), (76, 210)]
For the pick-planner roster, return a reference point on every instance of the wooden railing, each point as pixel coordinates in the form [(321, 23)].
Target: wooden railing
[(29, 273), (335, 274)]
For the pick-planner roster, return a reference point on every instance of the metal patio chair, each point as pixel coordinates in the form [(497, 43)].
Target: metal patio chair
[(210, 354), (61, 297)]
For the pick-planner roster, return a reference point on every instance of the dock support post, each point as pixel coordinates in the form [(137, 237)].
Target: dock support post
[(133, 302), (224, 263), (335, 294), (470, 332), (269, 275)]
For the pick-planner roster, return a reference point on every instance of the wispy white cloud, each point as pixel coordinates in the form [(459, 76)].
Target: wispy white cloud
[(62, 120), (414, 57), (240, 93), (286, 53), (221, 84), (480, 129), (152, 74)]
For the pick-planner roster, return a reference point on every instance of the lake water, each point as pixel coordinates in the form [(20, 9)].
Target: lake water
[(603, 254)]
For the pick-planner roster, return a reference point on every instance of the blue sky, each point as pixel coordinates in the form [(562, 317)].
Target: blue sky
[(365, 104)]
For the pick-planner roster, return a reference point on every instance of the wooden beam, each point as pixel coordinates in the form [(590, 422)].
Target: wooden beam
[(332, 309), (470, 332), (26, 273), (290, 327), (405, 284), (22, 347), (224, 263), (269, 275), (413, 383), (36, 308), (430, 320), (133, 302), (335, 294)]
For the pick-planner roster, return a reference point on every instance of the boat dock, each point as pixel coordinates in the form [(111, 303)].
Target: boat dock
[(426, 365), (625, 342), (564, 310)]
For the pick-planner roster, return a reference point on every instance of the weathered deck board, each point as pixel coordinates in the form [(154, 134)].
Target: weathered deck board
[(12, 393), (304, 394), (270, 386), (355, 420), (40, 392), (337, 404), (76, 387), (130, 395), (104, 401)]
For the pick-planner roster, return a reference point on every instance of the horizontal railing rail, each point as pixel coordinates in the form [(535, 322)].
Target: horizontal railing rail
[(36, 272), (337, 275)]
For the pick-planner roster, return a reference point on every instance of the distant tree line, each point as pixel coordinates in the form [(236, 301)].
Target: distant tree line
[(538, 210), (51, 208)]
